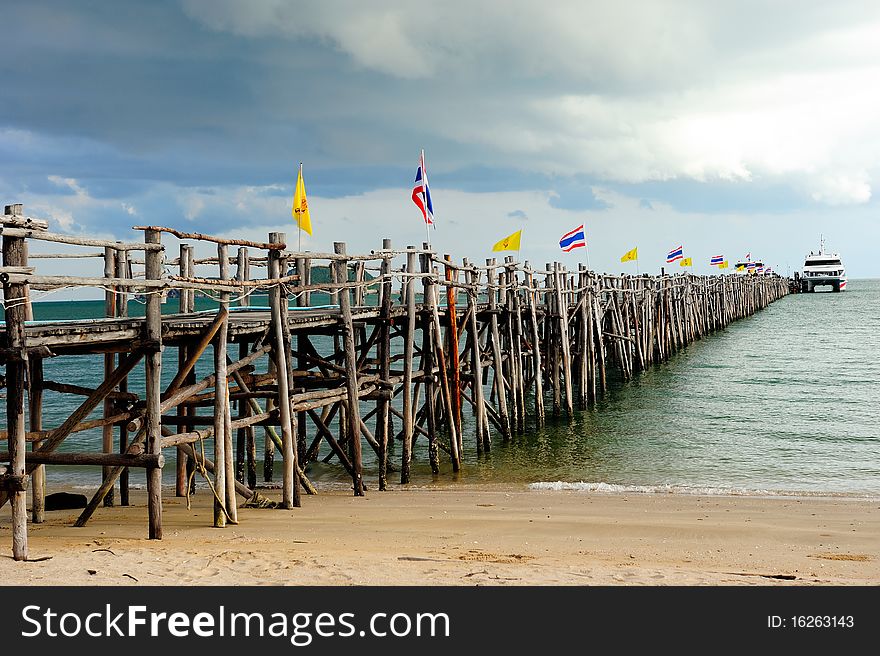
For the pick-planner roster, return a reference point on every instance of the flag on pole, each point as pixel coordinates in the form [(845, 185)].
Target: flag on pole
[(686, 262), (676, 253), (723, 265), (573, 239), (300, 204), (509, 243), (629, 256), (748, 256), (421, 194), (716, 259)]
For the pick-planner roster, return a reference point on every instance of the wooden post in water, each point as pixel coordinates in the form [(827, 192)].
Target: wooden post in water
[(532, 306), (514, 318), (153, 373), (428, 359), (484, 440), (497, 369), (445, 391), (451, 274), (351, 373), (564, 336)]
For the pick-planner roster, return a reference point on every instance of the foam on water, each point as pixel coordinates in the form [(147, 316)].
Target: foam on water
[(613, 488)]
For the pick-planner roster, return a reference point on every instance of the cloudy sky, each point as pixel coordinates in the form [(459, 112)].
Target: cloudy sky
[(727, 127)]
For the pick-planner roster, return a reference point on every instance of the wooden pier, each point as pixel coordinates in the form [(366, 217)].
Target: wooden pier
[(383, 356)]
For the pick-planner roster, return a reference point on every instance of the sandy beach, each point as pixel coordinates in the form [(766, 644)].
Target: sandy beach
[(466, 536)]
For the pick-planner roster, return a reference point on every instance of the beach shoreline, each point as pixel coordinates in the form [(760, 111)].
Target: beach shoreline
[(465, 535)]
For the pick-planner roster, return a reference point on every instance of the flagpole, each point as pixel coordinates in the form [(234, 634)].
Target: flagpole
[(425, 195), (298, 221), (586, 248)]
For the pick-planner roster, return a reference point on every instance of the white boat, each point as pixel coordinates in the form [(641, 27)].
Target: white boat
[(823, 268)]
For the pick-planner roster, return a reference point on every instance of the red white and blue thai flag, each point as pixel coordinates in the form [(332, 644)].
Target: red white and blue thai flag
[(676, 253), (421, 194), (573, 239), (751, 265), (716, 259)]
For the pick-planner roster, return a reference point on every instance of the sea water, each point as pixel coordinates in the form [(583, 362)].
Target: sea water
[(782, 402)]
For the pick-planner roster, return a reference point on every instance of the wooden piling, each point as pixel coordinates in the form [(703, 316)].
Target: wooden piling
[(495, 338), (153, 375), (408, 348), (351, 373), (383, 352), (15, 297), (109, 364)]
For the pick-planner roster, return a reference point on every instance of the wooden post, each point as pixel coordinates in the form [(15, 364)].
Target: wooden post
[(428, 360), (245, 453), (109, 362), (303, 270), (484, 440), (514, 318), (497, 368), (181, 479), (228, 453), (437, 346), (122, 272), (408, 348), (562, 308), (351, 373), (153, 369), (288, 440), (243, 272), (15, 298), (384, 355), (531, 300), (455, 384), (35, 403)]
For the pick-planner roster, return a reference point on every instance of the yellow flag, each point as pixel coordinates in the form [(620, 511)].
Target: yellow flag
[(723, 265), (686, 262), (630, 255), (741, 267), (301, 205), (509, 243)]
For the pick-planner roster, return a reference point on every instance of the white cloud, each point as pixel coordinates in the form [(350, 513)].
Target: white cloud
[(629, 91)]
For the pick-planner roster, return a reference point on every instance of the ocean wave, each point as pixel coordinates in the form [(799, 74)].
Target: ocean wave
[(614, 488)]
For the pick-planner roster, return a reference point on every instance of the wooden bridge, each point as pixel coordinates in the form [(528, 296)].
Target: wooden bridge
[(503, 338)]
